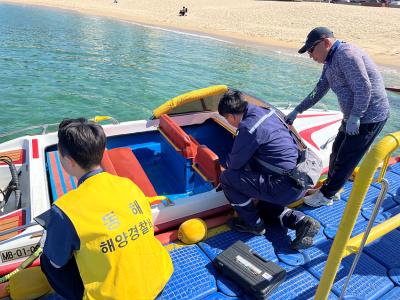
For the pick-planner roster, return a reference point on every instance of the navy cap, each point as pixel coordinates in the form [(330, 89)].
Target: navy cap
[(315, 35)]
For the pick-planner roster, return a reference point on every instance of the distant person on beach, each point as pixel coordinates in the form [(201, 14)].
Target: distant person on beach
[(360, 90), (183, 11), (99, 238), (262, 137)]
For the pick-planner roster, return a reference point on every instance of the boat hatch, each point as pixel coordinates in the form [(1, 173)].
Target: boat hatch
[(202, 100)]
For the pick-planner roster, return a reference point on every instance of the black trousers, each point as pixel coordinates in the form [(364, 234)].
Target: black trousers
[(347, 151)]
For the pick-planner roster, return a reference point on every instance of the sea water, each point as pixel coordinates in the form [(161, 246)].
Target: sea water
[(57, 64)]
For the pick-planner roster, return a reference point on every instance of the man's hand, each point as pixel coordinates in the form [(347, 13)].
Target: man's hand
[(352, 125), (289, 119)]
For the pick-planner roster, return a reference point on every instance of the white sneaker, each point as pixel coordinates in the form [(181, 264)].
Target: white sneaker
[(336, 197), (317, 199)]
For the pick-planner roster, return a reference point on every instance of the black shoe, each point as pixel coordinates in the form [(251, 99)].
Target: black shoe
[(238, 225), (306, 229)]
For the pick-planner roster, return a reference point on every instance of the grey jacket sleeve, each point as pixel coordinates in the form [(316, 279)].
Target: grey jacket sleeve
[(317, 93)]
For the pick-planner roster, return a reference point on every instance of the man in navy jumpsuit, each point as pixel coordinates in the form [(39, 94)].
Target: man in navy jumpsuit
[(261, 135)]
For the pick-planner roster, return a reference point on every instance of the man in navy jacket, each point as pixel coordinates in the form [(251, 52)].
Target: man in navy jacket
[(261, 135)]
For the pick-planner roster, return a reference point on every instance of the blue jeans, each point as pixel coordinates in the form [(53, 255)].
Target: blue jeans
[(347, 151)]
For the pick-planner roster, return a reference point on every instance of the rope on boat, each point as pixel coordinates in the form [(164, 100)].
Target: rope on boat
[(13, 185), (26, 263)]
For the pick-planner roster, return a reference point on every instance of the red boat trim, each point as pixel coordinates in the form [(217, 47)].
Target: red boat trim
[(306, 133), (314, 115), (171, 236), (203, 214), (35, 149), (17, 156), (325, 170), (11, 267)]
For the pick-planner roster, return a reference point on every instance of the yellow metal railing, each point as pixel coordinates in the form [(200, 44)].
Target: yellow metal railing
[(343, 245)]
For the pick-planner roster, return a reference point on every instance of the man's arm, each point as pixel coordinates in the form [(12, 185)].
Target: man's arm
[(353, 68), (57, 261), (244, 146), (317, 93)]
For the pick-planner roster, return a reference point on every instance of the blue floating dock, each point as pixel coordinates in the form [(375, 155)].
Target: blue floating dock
[(370, 198), (215, 245), (329, 216), (393, 294), (394, 184), (386, 250), (369, 281), (299, 285), (376, 277), (193, 276), (395, 168)]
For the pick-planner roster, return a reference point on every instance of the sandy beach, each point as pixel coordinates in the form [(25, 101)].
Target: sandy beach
[(272, 23)]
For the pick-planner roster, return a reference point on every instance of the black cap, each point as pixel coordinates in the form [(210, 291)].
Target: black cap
[(315, 35)]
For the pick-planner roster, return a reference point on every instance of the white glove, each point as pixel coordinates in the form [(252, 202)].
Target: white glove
[(353, 125)]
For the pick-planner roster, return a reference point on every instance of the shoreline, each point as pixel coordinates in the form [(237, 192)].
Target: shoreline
[(208, 30)]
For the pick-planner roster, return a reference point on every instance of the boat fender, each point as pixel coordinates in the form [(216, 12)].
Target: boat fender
[(192, 231)]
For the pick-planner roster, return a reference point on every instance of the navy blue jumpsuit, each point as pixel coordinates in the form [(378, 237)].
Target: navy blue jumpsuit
[(262, 135)]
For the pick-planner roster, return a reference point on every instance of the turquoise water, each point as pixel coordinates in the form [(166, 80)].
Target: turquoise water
[(56, 64)]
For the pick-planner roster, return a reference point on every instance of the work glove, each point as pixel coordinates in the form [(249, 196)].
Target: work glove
[(352, 125), (289, 119)]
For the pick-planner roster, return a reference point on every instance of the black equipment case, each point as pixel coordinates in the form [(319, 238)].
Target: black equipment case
[(257, 276)]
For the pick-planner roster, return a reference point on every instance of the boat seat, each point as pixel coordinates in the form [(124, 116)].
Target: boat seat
[(60, 181), (10, 221), (122, 162), (206, 162), (118, 161), (177, 137)]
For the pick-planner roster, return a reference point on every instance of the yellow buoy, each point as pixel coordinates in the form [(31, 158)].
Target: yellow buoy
[(192, 231)]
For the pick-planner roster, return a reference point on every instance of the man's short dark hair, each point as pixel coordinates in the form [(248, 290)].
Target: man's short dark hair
[(82, 140), (232, 102)]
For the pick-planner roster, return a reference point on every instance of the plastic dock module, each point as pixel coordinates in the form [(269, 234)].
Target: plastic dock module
[(395, 169), (193, 276), (370, 198), (328, 216), (392, 294), (215, 245), (359, 227), (299, 285), (219, 296), (392, 212), (369, 280), (386, 250), (394, 185)]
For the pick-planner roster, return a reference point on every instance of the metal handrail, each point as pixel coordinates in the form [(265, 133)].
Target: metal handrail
[(377, 206), (45, 126), (379, 152)]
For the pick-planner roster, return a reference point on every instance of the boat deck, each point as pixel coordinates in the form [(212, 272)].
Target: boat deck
[(377, 275)]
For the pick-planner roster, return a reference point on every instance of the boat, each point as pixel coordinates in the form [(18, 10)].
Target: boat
[(175, 157)]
